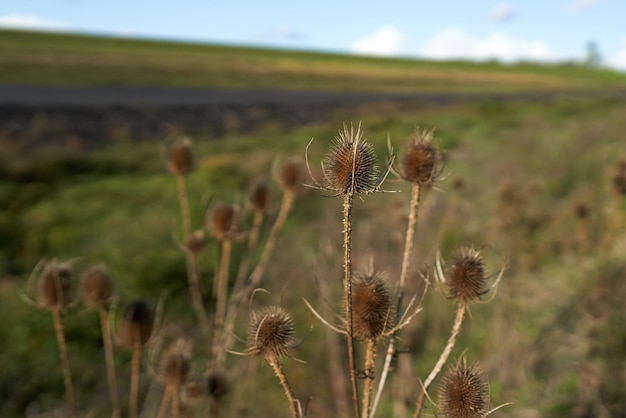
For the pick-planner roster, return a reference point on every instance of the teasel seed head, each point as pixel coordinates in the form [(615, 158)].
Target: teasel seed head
[(350, 164), (217, 385), (464, 392), (421, 159), (55, 286), (222, 220), (271, 333), (195, 242), (619, 179), (180, 157), (137, 323), (371, 307), (466, 275), (582, 210), (259, 196), (97, 286), (175, 365), (290, 174)]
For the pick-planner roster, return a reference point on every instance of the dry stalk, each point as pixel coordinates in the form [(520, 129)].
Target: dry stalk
[(183, 199), (134, 377), (195, 291), (220, 309), (110, 362), (65, 363), (165, 402), (294, 404), (369, 371)]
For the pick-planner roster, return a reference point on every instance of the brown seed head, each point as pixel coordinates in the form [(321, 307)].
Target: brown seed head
[(466, 275), (217, 385), (137, 323), (97, 286), (464, 392), (582, 210), (180, 157), (350, 164), (619, 182), (55, 286), (175, 365), (371, 307), (290, 175), (222, 220), (420, 161), (271, 333), (195, 242), (259, 196)]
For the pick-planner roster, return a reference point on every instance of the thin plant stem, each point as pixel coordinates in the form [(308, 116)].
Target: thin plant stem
[(110, 362), (195, 291), (253, 240), (175, 390), (222, 294), (185, 212), (65, 363), (369, 369), (165, 402), (406, 262), (442, 359), (294, 403), (134, 377), (347, 283)]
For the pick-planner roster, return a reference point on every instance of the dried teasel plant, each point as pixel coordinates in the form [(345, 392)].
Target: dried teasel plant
[(215, 386), (464, 391), (174, 368)]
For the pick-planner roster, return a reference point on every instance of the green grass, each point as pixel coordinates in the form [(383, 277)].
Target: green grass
[(60, 59)]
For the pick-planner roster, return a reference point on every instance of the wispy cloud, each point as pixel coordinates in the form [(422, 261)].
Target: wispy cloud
[(27, 22), (279, 33), (455, 43), (385, 41), (575, 6), (502, 12)]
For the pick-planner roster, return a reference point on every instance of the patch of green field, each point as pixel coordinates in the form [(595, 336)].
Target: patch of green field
[(60, 59)]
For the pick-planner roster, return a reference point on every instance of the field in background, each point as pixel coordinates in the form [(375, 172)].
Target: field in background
[(530, 183)]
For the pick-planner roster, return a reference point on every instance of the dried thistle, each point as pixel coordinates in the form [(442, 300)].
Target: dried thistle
[(222, 220), (195, 242), (259, 196), (271, 333), (175, 366), (464, 392), (290, 174), (371, 307), (97, 286), (466, 275), (180, 157), (619, 179), (137, 323), (55, 286), (421, 159)]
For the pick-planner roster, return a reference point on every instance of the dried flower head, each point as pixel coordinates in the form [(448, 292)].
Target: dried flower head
[(175, 365), (222, 220), (290, 175), (217, 385), (466, 275), (619, 179), (137, 323), (259, 196), (582, 210), (371, 307), (350, 164), (97, 286), (271, 333), (55, 286), (420, 161), (180, 157), (195, 242), (464, 392)]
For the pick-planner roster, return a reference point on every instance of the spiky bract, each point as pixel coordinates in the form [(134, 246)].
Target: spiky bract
[(466, 275), (419, 164), (180, 157), (371, 307), (350, 164), (271, 333), (55, 286), (464, 392), (97, 286), (137, 323)]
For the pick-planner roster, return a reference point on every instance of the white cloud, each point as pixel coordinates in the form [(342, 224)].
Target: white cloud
[(617, 59), (386, 41), (279, 32), (27, 22), (502, 12), (575, 6), (454, 43)]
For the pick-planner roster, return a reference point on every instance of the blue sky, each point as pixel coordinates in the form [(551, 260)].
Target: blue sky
[(545, 31)]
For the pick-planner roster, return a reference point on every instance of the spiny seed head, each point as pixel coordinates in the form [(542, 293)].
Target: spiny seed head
[(97, 286), (466, 275), (271, 333), (55, 286), (222, 220), (137, 323), (195, 242), (464, 392), (259, 196), (180, 157), (371, 307), (175, 365), (582, 210), (350, 164), (290, 175), (217, 385), (619, 179), (420, 161)]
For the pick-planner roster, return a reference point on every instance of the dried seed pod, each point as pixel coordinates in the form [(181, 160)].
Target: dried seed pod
[(271, 333), (464, 392), (350, 165), (582, 210), (97, 286), (55, 286), (371, 307), (195, 242), (137, 323), (619, 179), (175, 365), (290, 175), (180, 157), (419, 164), (466, 275), (217, 385), (222, 220), (259, 196)]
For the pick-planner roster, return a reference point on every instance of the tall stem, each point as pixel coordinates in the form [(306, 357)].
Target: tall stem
[(347, 285), (165, 402), (110, 362), (195, 291), (442, 359), (294, 404), (65, 363), (220, 308), (134, 377), (370, 368), (184, 205), (175, 401)]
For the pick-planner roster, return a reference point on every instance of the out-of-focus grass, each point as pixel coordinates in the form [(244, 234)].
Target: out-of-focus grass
[(50, 58)]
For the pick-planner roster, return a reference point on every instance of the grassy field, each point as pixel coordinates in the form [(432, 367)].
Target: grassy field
[(530, 184), (49, 58)]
